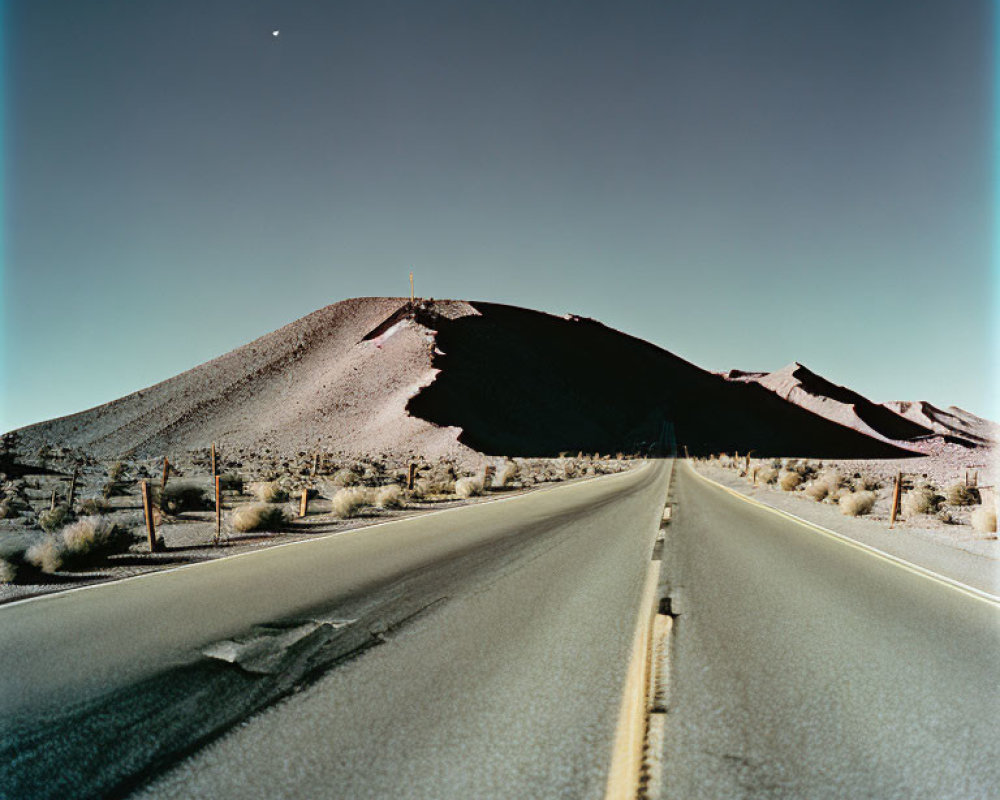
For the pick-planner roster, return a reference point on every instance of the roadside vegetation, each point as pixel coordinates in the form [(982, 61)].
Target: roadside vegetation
[(56, 528), (866, 494)]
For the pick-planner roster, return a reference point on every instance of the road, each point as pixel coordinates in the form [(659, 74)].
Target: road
[(478, 652), (806, 668)]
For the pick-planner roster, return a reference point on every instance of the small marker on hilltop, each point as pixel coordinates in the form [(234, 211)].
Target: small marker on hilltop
[(412, 297)]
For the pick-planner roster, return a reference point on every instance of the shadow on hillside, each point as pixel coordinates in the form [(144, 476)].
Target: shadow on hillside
[(521, 382)]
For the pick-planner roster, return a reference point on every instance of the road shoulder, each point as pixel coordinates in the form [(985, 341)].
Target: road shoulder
[(975, 563)]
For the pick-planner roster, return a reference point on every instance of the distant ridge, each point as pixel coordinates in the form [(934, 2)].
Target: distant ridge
[(954, 421), (460, 379)]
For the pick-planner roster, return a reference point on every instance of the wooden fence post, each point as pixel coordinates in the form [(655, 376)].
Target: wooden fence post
[(218, 509), (304, 503), (316, 464), (52, 505), (895, 499), (411, 477), (147, 510), (215, 471), (72, 488), (166, 472)]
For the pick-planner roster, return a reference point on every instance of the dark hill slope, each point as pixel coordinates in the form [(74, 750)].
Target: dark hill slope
[(523, 382)]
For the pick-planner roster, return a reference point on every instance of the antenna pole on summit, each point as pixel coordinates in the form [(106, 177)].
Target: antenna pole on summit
[(412, 298)]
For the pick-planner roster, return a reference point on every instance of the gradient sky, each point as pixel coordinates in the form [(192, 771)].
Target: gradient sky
[(743, 183)]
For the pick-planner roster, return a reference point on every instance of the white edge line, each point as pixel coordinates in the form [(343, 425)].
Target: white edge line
[(49, 596), (978, 594)]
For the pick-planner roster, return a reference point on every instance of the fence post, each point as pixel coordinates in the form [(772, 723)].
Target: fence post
[(218, 508), (411, 477), (304, 503), (52, 504), (215, 471), (72, 488), (147, 510), (316, 464), (895, 499), (166, 472)]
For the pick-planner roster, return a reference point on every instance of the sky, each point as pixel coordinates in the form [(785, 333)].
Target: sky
[(743, 183)]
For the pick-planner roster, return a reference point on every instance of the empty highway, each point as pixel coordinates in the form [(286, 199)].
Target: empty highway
[(479, 652), (804, 667)]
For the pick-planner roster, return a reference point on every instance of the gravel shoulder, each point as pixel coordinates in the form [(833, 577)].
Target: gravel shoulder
[(955, 551)]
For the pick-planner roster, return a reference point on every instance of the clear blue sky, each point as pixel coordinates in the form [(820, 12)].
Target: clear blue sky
[(743, 183)]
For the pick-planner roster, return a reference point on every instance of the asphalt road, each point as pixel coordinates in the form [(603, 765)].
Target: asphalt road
[(478, 652), (806, 668)]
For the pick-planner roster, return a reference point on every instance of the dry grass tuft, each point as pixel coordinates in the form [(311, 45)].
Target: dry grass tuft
[(86, 540), (390, 496), (346, 477), (8, 571), (347, 502), (270, 492), (767, 476), (259, 517), (856, 504), (867, 483), (468, 487), (984, 520), (93, 506), (958, 494), (921, 500), (817, 490), (53, 518), (46, 555), (789, 480)]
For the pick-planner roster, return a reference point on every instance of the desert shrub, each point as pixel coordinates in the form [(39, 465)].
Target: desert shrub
[(856, 504), (177, 498), (93, 506), (91, 538), (84, 541), (507, 474), (817, 490), (348, 501), (259, 517), (920, 500), (116, 472), (959, 494), (8, 571), (231, 482), (984, 520), (435, 487), (346, 477), (867, 483), (8, 510), (468, 487), (390, 496), (767, 475), (270, 492), (53, 518), (47, 555), (788, 480), (946, 517)]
